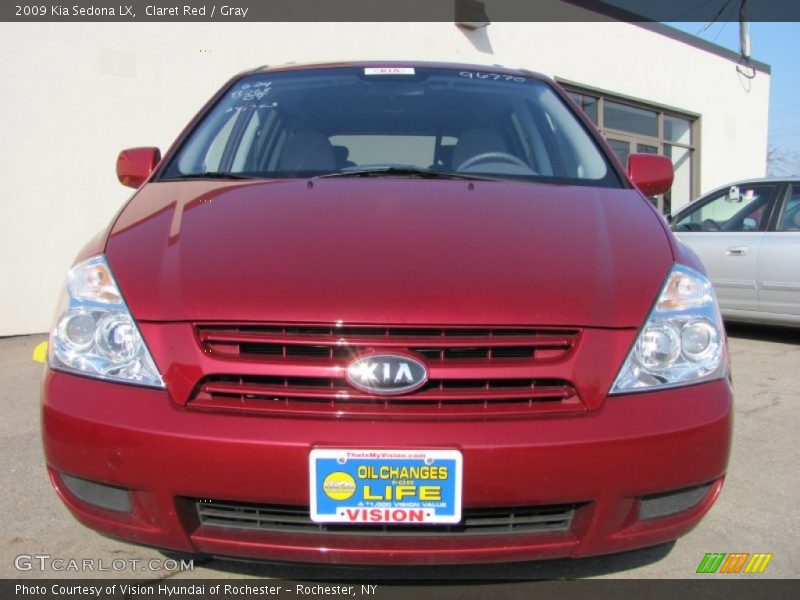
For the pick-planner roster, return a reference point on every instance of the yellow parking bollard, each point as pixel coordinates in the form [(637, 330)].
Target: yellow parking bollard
[(40, 353)]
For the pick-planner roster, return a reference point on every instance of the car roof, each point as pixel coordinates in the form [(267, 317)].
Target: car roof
[(793, 179), (291, 66)]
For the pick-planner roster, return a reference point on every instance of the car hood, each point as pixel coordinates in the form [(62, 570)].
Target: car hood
[(389, 250)]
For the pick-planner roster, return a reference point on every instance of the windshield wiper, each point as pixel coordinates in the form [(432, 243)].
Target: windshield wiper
[(404, 170), (208, 175)]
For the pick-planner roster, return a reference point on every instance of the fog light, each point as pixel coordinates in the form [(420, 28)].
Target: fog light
[(98, 494), (671, 503)]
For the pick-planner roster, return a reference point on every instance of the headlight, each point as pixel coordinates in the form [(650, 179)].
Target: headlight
[(682, 341), (95, 334)]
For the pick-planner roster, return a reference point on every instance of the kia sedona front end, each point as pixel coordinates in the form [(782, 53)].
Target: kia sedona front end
[(388, 314)]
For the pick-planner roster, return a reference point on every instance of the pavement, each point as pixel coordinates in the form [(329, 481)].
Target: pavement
[(756, 511)]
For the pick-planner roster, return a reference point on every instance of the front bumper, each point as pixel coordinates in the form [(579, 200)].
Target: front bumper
[(605, 461)]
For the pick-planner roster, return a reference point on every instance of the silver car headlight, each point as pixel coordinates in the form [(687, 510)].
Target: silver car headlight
[(682, 341), (95, 334)]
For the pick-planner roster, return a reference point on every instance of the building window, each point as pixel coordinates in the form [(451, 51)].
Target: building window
[(631, 126), (588, 104), (630, 119)]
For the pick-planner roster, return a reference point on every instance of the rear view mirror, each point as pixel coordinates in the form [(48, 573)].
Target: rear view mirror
[(733, 194), (651, 174), (134, 165)]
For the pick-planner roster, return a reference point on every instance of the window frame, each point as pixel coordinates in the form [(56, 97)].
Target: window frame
[(694, 147)]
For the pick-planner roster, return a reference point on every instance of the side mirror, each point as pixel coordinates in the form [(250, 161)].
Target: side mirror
[(134, 165), (651, 174)]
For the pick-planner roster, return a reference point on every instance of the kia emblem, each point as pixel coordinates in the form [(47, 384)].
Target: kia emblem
[(386, 374)]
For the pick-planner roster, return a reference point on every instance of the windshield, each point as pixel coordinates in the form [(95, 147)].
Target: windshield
[(347, 121)]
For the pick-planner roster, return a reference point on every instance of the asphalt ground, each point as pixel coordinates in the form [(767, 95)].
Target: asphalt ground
[(756, 511)]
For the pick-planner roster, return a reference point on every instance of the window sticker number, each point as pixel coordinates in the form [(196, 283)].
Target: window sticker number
[(255, 91), (492, 76)]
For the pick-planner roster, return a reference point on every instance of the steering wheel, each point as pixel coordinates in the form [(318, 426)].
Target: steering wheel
[(710, 225), (487, 156)]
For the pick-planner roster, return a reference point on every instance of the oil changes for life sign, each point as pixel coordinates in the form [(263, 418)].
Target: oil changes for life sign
[(385, 486)]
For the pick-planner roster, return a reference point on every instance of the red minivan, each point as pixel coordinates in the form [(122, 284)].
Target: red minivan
[(388, 313)]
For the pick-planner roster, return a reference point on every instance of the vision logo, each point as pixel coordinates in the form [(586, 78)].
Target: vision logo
[(736, 562)]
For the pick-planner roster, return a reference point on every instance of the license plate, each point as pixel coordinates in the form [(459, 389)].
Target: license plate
[(385, 486)]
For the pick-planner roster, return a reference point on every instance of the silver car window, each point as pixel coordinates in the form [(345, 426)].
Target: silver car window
[(747, 208), (790, 215)]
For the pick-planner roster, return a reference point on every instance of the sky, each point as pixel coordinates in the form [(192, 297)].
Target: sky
[(778, 45)]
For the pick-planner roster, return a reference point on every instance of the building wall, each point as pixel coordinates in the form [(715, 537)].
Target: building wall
[(73, 95)]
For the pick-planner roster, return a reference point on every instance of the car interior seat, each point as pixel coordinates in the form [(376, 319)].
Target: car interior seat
[(790, 221), (473, 142), (444, 159), (341, 154), (795, 226), (307, 150)]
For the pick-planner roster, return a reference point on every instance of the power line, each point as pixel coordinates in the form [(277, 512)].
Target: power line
[(691, 10), (721, 29), (717, 16)]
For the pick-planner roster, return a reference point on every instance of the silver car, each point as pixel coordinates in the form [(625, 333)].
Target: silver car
[(748, 236)]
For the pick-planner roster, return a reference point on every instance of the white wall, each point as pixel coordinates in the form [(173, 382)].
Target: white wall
[(73, 95)]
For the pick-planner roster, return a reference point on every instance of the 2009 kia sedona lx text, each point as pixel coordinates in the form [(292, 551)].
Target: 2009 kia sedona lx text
[(384, 313)]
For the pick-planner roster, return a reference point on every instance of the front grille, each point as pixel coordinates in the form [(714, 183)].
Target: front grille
[(298, 370), (295, 519), (444, 397), (436, 344)]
